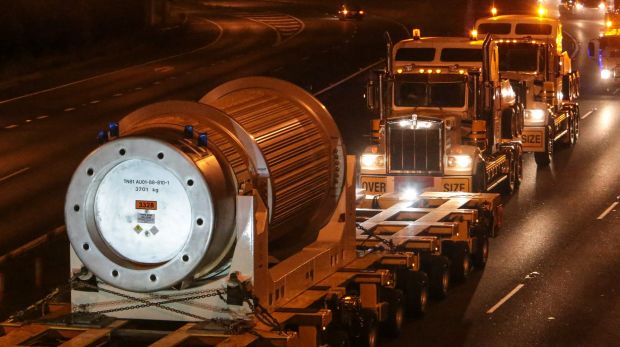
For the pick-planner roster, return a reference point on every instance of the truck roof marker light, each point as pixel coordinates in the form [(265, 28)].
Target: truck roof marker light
[(114, 129), (102, 137), (493, 11), (438, 71), (399, 70), (541, 11), (188, 132), (422, 70), (416, 34), (202, 139), (461, 72), (473, 35)]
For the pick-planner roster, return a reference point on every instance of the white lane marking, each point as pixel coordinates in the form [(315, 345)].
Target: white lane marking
[(69, 109), (606, 212), (279, 68), (117, 95), (506, 298), (47, 90), (42, 116), (332, 86), (616, 91), (20, 171), (588, 113), (95, 101), (28, 120), (11, 126), (138, 88)]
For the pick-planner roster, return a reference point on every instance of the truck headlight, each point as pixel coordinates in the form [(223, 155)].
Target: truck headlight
[(605, 74), (601, 6), (534, 117), (579, 6), (460, 161), (373, 162)]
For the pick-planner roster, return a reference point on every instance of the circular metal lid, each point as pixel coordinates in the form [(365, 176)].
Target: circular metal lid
[(129, 187), (142, 212)]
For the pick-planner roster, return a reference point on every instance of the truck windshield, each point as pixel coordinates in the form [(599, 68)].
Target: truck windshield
[(518, 57), (422, 90)]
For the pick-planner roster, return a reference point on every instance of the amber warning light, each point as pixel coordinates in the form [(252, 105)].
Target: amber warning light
[(146, 205)]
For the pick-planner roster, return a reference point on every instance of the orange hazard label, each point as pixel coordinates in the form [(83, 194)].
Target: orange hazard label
[(146, 205)]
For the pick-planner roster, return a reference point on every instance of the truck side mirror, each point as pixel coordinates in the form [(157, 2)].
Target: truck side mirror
[(591, 49), (371, 95)]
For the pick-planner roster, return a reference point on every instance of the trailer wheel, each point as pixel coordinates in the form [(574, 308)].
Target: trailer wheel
[(416, 293), (336, 338), (396, 315), (460, 260), (481, 254), (544, 158), (439, 276), (369, 333)]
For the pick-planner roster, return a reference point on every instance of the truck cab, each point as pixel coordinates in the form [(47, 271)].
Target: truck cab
[(444, 116), (531, 52), (606, 51)]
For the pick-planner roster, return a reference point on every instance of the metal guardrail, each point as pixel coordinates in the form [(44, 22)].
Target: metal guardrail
[(31, 246)]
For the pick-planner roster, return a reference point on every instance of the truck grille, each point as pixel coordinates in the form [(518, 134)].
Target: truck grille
[(415, 149)]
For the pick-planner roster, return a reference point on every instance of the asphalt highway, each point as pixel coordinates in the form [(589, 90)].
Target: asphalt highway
[(552, 274)]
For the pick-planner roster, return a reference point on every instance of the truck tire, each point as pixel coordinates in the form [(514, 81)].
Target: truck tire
[(439, 276), (393, 326), (519, 167), (510, 184), (481, 253), (369, 332), (460, 261), (576, 119), (416, 294), (544, 158)]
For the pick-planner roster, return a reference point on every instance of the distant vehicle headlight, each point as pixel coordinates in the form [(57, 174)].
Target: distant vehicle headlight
[(605, 74), (460, 161), (579, 6), (534, 117), (601, 6), (373, 162)]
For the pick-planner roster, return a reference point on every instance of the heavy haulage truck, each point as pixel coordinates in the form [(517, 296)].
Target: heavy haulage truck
[(232, 221), (606, 51), (447, 121), (530, 51)]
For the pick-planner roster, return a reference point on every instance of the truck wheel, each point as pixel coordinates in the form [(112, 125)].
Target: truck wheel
[(519, 168), (396, 316), (439, 276), (510, 184), (544, 158), (481, 254), (568, 139), (336, 338), (460, 260), (416, 293), (577, 117), (369, 334)]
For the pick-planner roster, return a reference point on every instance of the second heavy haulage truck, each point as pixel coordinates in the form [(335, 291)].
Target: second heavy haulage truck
[(447, 121), (531, 52)]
